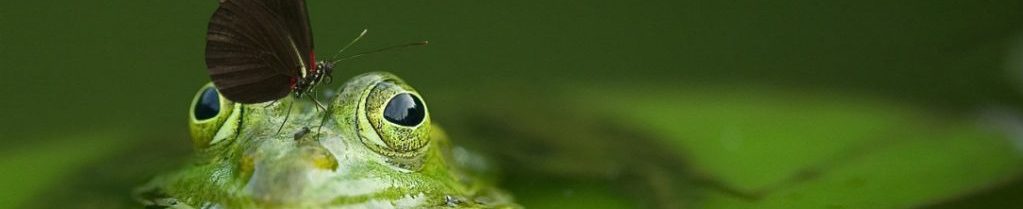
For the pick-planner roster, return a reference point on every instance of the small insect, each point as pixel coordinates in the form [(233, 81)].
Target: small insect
[(301, 133)]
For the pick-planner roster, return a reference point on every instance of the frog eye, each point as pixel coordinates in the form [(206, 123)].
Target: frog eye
[(207, 105), (208, 115), (405, 109), (399, 120)]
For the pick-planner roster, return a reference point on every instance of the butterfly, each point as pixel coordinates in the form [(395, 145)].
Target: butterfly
[(262, 50)]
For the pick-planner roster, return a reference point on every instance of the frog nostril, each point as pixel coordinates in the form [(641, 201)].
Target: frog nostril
[(322, 159)]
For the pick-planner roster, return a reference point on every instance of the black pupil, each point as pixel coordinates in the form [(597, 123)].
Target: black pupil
[(405, 109), (208, 105)]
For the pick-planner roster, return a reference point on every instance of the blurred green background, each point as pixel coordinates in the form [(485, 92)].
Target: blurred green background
[(87, 81)]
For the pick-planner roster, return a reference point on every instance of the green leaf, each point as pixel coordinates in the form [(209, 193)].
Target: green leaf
[(802, 149)]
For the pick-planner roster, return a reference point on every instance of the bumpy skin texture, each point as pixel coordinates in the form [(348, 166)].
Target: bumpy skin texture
[(343, 157)]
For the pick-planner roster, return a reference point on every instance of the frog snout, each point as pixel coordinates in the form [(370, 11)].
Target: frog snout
[(283, 178)]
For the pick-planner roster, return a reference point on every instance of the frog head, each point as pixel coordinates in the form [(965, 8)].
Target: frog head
[(372, 145)]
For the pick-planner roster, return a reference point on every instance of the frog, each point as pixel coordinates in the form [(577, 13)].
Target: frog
[(373, 145)]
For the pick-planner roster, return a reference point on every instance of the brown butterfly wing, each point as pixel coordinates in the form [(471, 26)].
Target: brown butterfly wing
[(255, 49)]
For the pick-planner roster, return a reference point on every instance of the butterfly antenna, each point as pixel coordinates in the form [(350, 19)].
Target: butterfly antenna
[(357, 38), (400, 46)]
